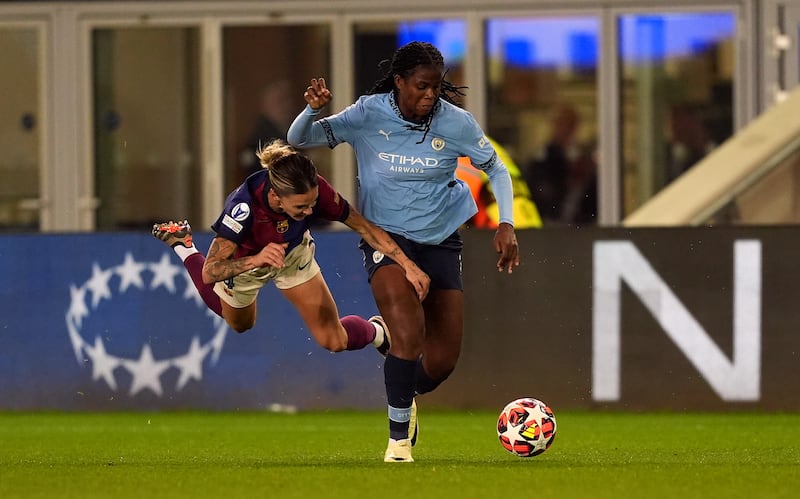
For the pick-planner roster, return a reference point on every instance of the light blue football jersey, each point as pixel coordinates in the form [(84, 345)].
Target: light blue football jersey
[(407, 180)]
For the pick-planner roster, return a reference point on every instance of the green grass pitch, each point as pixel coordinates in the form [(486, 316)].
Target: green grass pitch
[(339, 455)]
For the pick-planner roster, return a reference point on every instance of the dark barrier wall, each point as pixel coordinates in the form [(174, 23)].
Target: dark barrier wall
[(676, 319), (679, 319)]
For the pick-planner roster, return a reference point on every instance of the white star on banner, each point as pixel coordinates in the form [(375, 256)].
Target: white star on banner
[(164, 273), (131, 273), (146, 371), (98, 284), (103, 365), (191, 364), (77, 305), (76, 340), (219, 338)]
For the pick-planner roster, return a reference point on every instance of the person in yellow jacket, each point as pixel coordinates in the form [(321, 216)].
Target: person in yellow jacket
[(526, 215)]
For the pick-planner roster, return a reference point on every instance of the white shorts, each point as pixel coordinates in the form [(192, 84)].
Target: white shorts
[(299, 267)]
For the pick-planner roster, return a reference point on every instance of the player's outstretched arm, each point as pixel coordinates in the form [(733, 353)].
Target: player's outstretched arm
[(304, 132), (381, 241), (220, 266)]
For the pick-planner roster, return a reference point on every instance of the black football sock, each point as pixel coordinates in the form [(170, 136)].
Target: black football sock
[(399, 378)]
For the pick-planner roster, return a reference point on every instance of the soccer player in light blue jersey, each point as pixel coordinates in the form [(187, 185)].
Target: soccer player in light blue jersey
[(407, 134)]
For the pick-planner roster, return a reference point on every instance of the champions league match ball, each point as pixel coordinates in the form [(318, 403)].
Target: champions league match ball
[(526, 427)]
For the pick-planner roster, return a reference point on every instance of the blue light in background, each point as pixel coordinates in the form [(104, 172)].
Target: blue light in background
[(419, 32), (519, 52), (552, 42), (583, 49), (645, 38), (574, 41), (449, 36), (651, 44)]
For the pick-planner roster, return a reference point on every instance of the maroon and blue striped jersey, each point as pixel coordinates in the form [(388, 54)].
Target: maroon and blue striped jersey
[(248, 221)]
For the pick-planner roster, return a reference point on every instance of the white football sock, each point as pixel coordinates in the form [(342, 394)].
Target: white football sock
[(379, 336), (183, 252)]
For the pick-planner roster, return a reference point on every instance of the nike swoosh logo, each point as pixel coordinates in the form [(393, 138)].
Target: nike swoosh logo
[(302, 267)]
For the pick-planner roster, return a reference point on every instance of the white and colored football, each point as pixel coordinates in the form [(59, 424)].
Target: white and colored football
[(526, 427)]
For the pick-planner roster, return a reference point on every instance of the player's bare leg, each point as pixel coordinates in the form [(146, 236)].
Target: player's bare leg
[(444, 330), (315, 304), (239, 319)]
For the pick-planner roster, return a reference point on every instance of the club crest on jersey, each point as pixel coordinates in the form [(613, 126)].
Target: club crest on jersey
[(437, 144), (377, 256), (240, 212), (282, 226)]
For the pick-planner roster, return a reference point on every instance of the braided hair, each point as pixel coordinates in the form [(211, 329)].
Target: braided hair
[(404, 62)]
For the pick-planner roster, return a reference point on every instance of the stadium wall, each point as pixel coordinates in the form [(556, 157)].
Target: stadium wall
[(633, 319)]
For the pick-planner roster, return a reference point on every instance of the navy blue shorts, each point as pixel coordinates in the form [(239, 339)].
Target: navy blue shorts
[(442, 262)]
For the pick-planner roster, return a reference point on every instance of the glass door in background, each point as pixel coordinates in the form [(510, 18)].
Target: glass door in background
[(20, 129), (542, 107), (676, 95), (146, 126), (263, 90)]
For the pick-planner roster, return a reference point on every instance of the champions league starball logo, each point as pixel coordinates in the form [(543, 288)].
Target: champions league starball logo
[(105, 291)]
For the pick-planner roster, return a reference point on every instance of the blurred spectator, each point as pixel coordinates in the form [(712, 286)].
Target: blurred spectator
[(275, 116), (690, 140), (563, 180), (526, 216)]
